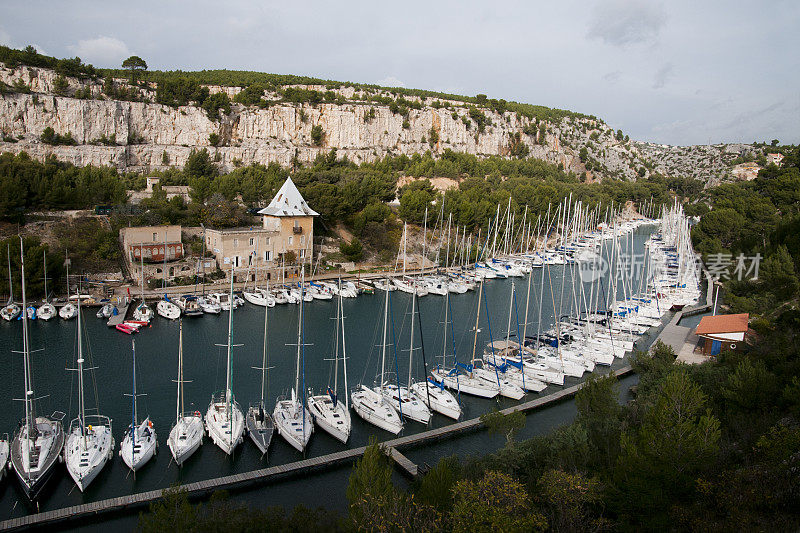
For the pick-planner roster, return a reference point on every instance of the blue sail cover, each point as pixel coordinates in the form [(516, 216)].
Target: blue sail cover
[(468, 368), (554, 343), (334, 397), (436, 383)]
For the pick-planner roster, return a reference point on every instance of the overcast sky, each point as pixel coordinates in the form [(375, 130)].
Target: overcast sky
[(677, 72)]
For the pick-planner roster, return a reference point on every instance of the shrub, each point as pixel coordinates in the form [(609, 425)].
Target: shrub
[(317, 134), (213, 139)]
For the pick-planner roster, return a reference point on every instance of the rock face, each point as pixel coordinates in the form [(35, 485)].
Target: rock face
[(144, 132)]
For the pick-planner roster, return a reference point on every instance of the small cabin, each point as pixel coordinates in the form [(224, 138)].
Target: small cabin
[(722, 332)]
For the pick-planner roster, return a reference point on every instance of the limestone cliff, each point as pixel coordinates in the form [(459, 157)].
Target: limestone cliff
[(145, 131)]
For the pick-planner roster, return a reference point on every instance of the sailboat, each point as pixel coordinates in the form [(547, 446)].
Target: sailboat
[(493, 375), (165, 307), (143, 313), (370, 404), (47, 310), (5, 448), (328, 411), (433, 393), (291, 416), (68, 311), (11, 310), (140, 443), (402, 398), (186, 434), (90, 441), (37, 445), (260, 425), (224, 420)]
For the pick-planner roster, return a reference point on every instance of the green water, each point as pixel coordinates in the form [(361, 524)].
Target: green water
[(204, 365)]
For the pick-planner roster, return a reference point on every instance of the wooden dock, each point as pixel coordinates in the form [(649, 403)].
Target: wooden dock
[(264, 475)]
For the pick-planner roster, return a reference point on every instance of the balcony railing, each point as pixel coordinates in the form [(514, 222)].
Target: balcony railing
[(297, 229)]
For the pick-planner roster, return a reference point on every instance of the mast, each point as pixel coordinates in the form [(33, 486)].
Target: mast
[(30, 415), (81, 395), (344, 349), (179, 401), (336, 341), (385, 326), (477, 315), (44, 260), (424, 237), (10, 282), (411, 341), (164, 271), (405, 239), (264, 353), (228, 369), (133, 422)]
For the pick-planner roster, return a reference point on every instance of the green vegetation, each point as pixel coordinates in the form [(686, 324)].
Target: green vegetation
[(49, 136), (30, 57), (756, 217), (134, 65), (28, 184), (34, 268), (317, 134)]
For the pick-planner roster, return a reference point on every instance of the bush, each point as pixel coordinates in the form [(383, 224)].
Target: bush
[(353, 251), (317, 134), (215, 103), (213, 139), (49, 136)]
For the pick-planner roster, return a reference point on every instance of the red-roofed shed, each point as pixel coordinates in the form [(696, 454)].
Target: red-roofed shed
[(722, 331)]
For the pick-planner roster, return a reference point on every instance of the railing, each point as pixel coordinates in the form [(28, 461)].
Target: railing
[(297, 229)]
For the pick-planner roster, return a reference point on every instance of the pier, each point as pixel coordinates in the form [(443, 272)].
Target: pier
[(265, 475)]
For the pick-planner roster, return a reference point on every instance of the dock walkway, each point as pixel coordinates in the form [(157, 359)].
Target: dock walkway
[(265, 475)]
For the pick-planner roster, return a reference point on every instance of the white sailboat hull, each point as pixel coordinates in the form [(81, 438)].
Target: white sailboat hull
[(84, 462), (135, 452), (294, 423), (225, 430), (334, 420), (441, 401), (185, 437), (373, 408)]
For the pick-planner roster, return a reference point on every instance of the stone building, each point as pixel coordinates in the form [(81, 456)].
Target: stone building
[(149, 245), (285, 239)]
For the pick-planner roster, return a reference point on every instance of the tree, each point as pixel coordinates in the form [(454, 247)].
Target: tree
[(600, 413), (216, 102), (317, 134), (60, 85), (213, 139), (571, 501), (199, 164), (134, 64), (172, 512), (778, 273), (506, 425), (496, 502), (352, 251), (661, 459)]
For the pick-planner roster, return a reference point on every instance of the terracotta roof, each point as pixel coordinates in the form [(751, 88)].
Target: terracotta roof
[(714, 325)]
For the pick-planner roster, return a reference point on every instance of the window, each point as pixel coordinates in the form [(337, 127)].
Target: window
[(267, 255), (291, 240), (266, 241), (155, 237), (302, 240), (252, 241), (235, 243), (302, 253), (236, 261)]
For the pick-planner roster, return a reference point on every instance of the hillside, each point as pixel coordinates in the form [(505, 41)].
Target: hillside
[(155, 124)]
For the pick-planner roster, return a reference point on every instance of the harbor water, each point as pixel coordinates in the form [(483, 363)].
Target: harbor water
[(109, 353)]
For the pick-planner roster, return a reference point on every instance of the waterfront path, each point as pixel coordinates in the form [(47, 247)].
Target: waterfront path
[(264, 475)]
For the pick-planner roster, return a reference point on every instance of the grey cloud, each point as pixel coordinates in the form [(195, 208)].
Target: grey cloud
[(613, 76), (626, 22), (663, 75)]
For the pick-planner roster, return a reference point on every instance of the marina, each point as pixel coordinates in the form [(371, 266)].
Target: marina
[(466, 332)]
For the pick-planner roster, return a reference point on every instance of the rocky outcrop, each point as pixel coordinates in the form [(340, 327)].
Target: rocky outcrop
[(150, 136)]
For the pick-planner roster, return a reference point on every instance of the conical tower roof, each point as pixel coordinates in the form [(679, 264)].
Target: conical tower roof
[(288, 202)]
